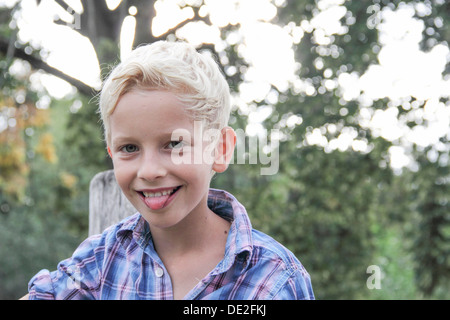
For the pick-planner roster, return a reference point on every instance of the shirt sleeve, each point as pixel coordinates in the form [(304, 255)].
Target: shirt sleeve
[(297, 287), (76, 278)]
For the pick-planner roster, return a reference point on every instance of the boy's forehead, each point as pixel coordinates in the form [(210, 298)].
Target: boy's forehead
[(151, 104), (157, 112)]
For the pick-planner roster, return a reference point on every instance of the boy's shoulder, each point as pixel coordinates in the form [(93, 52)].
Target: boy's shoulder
[(264, 248), (267, 247)]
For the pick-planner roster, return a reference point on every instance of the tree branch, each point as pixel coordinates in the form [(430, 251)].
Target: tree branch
[(37, 63), (196, 18)]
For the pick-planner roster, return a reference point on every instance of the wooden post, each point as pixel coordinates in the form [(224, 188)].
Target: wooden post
[(107, 204)]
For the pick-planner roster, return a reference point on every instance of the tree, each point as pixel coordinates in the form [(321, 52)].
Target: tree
[(353, 52)]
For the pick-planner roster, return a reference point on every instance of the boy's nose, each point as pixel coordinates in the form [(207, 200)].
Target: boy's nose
[(151, 168)]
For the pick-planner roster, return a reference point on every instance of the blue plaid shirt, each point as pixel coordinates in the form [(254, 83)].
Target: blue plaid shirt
[(121, 263)]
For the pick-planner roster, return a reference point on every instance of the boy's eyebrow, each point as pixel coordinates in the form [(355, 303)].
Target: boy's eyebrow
[(186, 134), (120, 140)]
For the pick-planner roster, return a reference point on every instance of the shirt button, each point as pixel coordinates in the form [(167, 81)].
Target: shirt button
[(159, 272)]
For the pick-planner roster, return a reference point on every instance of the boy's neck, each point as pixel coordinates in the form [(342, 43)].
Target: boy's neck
[(201, 230)]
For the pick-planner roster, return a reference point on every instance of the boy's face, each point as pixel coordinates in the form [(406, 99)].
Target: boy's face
[(142, 148)]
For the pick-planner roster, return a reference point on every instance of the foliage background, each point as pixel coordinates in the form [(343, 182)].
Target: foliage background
[(339, 211)]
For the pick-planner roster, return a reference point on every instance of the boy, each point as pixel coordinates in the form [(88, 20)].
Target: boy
[(186, 241)]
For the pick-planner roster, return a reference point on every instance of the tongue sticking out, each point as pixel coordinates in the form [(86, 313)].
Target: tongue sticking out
[(156, 203)]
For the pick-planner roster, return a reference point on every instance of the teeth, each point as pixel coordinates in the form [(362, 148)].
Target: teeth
[(158, 194)]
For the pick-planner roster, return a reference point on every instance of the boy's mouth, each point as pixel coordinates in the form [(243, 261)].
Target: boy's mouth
[(157, 199)]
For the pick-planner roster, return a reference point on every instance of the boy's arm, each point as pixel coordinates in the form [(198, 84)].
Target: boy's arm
[(25, 297), (77, 276)]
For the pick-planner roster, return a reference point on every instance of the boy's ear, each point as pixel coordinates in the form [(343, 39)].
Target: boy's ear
[(224, 150), (109, 152)]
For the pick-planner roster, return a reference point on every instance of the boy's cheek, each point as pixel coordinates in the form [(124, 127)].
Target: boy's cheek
[(189, 155), (123, 175)]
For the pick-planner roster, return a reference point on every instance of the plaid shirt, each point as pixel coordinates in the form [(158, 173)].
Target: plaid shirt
[(121, 263)]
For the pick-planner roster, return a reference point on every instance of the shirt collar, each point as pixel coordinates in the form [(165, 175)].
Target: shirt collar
[(134, 227), (239, 241), (225, 205)]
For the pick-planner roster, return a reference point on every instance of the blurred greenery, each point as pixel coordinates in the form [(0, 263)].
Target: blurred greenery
[(338, 211)]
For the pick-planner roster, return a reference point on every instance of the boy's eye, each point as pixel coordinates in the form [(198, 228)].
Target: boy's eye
[(175, 144), (129, 148)]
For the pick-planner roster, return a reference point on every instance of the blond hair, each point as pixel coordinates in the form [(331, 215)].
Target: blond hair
[(175, 67)]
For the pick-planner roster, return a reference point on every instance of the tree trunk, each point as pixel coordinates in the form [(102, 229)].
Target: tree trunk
[(107, 204)]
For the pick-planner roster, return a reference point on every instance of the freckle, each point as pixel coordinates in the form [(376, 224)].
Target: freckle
[(225, 232)]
